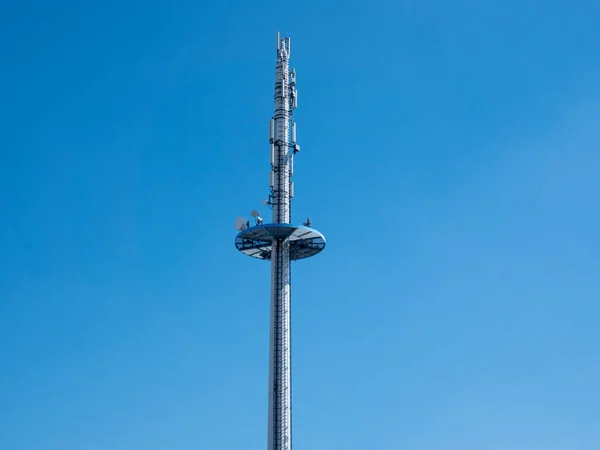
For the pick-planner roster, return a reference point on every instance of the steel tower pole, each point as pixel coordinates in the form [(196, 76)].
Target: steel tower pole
[(280, 427), (281, 242)]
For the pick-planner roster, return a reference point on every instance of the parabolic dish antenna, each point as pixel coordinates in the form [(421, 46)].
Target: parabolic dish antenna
[(254, 213), (265, 202), (240, 224)]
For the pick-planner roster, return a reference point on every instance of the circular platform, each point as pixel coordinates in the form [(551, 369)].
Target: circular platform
[(304, 242)]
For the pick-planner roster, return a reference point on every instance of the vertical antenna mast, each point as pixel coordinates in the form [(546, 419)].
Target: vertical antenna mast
[(283, 145), (281, 242), (280, 430)]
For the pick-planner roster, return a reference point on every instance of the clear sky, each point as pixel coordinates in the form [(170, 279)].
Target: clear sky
[(450, 154)]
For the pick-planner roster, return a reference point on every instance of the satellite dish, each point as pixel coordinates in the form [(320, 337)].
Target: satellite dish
[(240, 224), (265, 202), (254, 213)]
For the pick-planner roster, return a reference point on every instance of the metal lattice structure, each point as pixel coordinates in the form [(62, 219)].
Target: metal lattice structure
[(281, 242)]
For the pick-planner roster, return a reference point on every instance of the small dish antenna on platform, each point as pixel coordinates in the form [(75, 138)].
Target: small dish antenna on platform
[(265, 202), (241, 224), (255, 213)]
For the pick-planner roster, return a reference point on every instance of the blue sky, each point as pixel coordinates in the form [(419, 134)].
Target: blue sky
[(449, 154)]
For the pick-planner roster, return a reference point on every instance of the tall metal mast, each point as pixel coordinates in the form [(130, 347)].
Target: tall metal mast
[(281, 242), (280, 431)]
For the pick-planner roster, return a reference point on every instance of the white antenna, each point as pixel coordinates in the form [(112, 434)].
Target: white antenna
[(241, 224)]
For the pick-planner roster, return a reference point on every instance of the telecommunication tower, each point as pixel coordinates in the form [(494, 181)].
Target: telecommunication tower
[(280, 242)]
